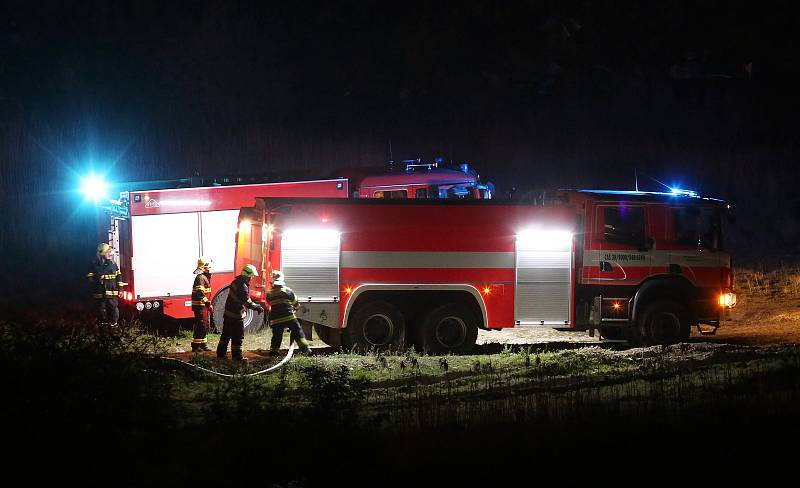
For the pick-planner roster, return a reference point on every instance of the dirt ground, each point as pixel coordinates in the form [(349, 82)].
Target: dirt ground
[(755, 321)]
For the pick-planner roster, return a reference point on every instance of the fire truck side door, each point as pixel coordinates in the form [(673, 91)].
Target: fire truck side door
[(620, 249)]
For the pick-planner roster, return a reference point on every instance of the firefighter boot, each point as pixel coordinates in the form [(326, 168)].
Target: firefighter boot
[(236, 351), (274, 351), (305, 348)]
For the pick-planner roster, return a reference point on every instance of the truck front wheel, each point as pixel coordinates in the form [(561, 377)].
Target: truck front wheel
[(375, 325), (450, 328), (664, 322)]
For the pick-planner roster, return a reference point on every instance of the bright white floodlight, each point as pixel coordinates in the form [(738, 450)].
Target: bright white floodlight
[(94, 187), (309, 238), (544, 240)]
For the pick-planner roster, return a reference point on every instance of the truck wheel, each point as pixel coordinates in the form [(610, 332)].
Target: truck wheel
[(375, 325), (450, 328), (253, 322), (664, 322), (613, 333)]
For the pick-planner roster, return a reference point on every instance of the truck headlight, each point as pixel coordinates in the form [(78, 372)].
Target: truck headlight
[(727, 300)]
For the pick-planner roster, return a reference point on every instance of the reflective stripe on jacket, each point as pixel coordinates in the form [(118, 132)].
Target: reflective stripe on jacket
[(282, 303), (238, 299), (105, 279), (201, 291)]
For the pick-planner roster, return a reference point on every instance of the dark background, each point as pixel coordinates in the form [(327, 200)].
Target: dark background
[(535, 94)]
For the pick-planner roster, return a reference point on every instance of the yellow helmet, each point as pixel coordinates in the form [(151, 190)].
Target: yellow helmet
[(202, 262), (249, 270), (102, 248)]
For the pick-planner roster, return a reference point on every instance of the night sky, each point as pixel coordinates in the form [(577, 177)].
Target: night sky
[(534, 94)]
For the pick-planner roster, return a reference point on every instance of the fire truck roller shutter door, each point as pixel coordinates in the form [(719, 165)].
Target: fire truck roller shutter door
[(543, 277)]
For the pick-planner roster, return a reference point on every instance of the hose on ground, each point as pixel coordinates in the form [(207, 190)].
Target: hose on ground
[(225, 375)]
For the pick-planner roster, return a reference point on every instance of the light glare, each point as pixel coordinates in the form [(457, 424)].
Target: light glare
[(544, 240), (94, 187), (298, 238)]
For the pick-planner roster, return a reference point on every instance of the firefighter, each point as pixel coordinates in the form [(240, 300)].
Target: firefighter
[(282, 304), (233, 322), (105, 280), (201, 304)]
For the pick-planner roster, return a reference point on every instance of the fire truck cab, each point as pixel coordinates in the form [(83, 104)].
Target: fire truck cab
[(383, 273), (651, 265)]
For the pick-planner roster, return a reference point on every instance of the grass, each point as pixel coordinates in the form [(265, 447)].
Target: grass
[(105, 394), (782, 280)]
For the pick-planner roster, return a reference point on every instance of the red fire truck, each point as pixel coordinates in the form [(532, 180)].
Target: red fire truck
[(159, 234), (381, 274)]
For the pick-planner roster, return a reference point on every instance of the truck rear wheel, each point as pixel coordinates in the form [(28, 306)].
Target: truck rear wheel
[(450, 328), (253, 322), (664, 322), (375, 325)]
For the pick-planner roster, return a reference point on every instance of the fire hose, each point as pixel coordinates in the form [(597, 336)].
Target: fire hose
[(211, 371)]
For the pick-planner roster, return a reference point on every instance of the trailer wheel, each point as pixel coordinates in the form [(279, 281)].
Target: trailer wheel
[(450, 328), (253, 322), (664, 322), (375, 325)]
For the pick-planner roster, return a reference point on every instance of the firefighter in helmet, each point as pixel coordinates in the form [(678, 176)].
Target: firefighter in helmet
[(201, 304), (105, 280), (233, 321), (282, 304)]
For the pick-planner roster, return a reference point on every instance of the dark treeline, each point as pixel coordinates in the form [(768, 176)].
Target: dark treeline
[(535, 94)]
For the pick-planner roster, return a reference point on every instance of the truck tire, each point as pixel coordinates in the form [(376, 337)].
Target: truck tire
[(375, 326), (613, 333), (664, 322), (450, 328), (253, 321)]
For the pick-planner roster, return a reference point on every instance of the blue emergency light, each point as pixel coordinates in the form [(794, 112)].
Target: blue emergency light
[(94, 187)]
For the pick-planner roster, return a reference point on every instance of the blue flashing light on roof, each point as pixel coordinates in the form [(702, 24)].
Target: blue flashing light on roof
[(674, 192), (680, 191)]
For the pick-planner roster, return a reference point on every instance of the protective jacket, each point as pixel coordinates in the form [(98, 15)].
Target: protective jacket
[(105, 279), (282, 303), (238, 299), (201, 291)]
